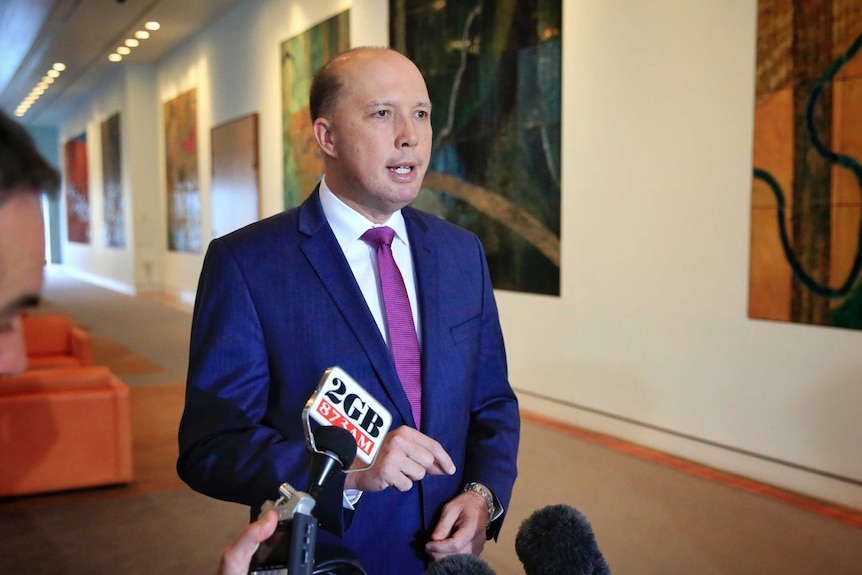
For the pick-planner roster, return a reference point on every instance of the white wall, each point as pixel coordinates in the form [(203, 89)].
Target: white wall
[(110, 267), (649, 339)]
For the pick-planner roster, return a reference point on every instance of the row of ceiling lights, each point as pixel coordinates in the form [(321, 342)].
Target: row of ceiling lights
[(58, 68), (40, 88), (130, 43)]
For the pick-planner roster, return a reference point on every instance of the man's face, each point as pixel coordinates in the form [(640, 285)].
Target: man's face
[(378, 137), (22, 257)]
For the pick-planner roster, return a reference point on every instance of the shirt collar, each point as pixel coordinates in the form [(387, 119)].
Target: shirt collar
[(348, 225)]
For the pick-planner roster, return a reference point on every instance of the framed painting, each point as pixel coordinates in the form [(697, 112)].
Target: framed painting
[(494, 71), (301, 57), (77, 185), (235, 183), (806, 201), (181, 163), (112, 183)]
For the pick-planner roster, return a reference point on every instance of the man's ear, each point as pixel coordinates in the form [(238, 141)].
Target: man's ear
[(323, 134)]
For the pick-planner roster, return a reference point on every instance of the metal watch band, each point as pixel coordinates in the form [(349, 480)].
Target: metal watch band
[(486, 495)]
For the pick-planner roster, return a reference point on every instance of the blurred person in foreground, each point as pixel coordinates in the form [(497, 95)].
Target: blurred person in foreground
[(24, 177), (283, 299)]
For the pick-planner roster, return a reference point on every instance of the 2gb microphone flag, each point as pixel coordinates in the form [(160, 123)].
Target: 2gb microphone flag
[(340, 401)]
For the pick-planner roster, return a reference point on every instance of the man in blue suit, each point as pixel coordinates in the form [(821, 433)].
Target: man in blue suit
[(285, 298)]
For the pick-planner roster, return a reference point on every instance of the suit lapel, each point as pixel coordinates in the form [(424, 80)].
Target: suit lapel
[(435, 355), (323, 253)]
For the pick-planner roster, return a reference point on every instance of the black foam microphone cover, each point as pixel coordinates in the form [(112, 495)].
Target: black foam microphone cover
[(463, 564), (559, 540), (336, 449)]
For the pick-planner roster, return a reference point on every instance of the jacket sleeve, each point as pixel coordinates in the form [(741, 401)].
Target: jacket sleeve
[(494, 432), (229, 446)]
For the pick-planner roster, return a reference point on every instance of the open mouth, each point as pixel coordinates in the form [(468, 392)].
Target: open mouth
[(402, 170)]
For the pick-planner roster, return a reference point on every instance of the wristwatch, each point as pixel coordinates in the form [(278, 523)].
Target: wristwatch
[(486, 495)]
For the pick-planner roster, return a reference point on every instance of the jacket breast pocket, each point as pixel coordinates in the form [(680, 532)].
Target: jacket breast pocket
[(466, 330)]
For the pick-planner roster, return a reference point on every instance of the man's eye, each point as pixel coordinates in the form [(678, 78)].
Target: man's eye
[(382, 113)]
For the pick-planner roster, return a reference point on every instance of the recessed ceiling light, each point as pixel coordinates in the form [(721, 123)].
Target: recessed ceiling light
[(142, 34), (53, 73), (114, 57), (48, 79), (152, 26), (132, 43), (59, 66), (124, 50)]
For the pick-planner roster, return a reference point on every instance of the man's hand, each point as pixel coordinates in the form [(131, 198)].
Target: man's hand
[(461, 528), (406, 455), (236, 559)]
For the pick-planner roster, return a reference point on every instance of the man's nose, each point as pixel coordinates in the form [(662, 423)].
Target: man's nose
[(407, 136)]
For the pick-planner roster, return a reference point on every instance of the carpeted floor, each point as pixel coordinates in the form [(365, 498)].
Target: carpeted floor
[(651, 514), (166, 533)]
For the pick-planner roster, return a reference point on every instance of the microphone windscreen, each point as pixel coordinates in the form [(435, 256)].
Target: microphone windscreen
[(462, 564), (558, 540), (337, 441)]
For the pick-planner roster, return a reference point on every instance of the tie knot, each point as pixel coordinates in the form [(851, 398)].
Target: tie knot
[(377, 237)]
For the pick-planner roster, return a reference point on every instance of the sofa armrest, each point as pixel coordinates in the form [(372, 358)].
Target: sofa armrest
[(81, 345)]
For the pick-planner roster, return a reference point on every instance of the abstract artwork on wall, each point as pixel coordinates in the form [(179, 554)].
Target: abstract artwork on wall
[(112, 183), (806, 202), (77, 189), (181, 163), (301, 57), (493, 70), (235, 192)]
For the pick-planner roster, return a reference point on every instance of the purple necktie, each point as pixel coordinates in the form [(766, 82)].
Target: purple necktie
[(399, 318)]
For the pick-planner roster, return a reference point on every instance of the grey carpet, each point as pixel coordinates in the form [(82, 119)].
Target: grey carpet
[(152, 330)]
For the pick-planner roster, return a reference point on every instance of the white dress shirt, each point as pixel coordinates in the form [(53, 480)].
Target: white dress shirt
[(348, 225)]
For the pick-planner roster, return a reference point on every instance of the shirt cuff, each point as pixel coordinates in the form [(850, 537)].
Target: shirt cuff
[(349, 498)]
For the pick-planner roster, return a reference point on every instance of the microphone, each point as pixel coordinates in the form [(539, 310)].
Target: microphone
[(461, 564), (335, 449), (558, 540)]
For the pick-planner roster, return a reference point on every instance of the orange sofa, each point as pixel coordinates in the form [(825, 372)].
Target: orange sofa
[(52, 341), (64, 428)]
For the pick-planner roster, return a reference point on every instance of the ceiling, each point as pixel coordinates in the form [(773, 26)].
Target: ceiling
[(34, 34)]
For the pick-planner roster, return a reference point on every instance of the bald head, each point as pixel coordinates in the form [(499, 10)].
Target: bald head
[(329, 82)]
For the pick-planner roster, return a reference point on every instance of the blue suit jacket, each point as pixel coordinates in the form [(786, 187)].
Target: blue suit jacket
[(277, 304)]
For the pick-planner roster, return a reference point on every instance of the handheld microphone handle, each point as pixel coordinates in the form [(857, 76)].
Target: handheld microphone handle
[(323, 467)]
